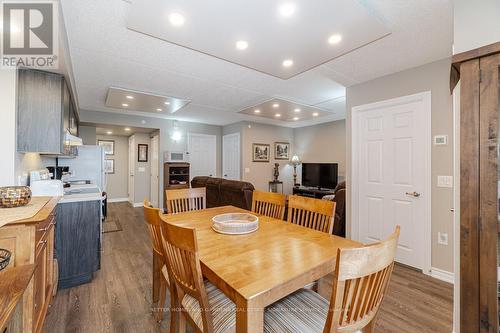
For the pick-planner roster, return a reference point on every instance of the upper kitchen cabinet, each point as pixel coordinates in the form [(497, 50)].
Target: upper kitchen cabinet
[(45, 112)]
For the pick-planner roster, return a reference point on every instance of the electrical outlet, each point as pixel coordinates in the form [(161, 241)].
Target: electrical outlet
[(444, 181), (442, 238)]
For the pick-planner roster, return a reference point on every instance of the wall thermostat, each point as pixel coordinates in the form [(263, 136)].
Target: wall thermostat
[(440, 140)]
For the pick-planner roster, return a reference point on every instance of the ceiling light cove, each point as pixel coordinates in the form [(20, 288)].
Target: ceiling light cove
[(335, 39), (286, 9), (124, 104), (287, 63), (176, 19), (242, 45)]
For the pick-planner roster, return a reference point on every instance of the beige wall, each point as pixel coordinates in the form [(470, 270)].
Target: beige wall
[(117, 183), (432, 77), (324, 143), (260, 173), (476, 24), (142, 175)]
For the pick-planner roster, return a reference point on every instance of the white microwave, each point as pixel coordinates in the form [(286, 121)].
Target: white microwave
[(175, 156)]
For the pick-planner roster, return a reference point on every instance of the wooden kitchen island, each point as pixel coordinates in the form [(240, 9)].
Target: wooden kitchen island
[(31, 242)]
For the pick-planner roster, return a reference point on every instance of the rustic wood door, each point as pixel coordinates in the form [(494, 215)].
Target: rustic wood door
[(479, 197)]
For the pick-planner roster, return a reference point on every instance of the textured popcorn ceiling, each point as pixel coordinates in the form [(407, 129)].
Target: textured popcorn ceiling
[(105, 53)]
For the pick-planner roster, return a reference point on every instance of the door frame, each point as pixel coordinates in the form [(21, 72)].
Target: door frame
[(236, 134), (425, 97), (211, 136), (152, 190)]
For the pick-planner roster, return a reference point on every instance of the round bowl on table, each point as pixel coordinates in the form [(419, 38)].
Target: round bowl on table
[(14, 196), (235, 223)]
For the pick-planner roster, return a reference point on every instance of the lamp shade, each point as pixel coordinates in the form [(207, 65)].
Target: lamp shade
[(295, 160)]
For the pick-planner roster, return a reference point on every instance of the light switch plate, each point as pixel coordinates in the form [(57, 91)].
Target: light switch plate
[(141, 169), (444, 181), (247, 170), (442, 238)]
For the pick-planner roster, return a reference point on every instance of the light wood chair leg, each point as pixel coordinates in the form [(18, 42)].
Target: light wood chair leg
[(174, 312), (182, 322), (162, 300), (156, 277)]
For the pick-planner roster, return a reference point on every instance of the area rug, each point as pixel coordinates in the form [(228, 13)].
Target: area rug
[(111, 225)]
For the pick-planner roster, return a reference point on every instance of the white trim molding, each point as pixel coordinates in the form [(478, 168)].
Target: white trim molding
[(137, 204), (117, 200), (443, 275)]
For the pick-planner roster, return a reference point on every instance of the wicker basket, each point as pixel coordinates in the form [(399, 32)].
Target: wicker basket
[(235, 223), (14, 196), (4, 258)]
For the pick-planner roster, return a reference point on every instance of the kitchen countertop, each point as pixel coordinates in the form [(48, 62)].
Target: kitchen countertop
[(42, 214), (78, 193)]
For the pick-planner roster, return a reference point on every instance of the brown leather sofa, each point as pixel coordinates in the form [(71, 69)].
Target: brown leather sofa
[(339, 222), (223, 192)]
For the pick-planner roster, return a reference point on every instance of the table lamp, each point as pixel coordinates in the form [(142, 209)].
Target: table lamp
[(295, 162)]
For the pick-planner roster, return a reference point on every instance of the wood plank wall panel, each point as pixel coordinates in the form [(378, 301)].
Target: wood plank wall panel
[(469, 196), (488, 198)]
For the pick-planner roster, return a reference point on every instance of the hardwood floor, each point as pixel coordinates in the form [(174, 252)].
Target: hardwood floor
[(119, 297)]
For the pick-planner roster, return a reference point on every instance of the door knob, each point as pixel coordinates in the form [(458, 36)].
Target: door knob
[(413, 194)]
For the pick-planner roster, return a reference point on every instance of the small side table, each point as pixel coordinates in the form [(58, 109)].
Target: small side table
[(273, 186)]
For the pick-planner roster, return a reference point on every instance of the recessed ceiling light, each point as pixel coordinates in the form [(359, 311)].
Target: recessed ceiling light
[(297, 110), (167, 103), (159, 110), (315, 114), (125, 104), (129, 97), (256, 111), (109, 132), (127, 129), (295, 118), (286, 9), (334, 39), (287, 63), (277, 115), (242, 45), (176, 19), (276, 105)]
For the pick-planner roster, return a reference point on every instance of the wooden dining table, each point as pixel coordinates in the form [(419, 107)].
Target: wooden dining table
[(257, 269)]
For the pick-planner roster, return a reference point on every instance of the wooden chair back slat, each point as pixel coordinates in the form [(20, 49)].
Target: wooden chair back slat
[(359, 284), (152, 218), (183, 263), (311, 213), (269, 204), (183, 200)]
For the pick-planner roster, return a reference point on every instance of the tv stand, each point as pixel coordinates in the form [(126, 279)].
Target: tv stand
[(312, 192)]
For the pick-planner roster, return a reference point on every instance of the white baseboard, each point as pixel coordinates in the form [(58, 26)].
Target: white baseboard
[(118, 200), (137, 204), (442, 275)]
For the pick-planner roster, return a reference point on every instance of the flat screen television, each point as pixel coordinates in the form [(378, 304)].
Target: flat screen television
[(323, 175)]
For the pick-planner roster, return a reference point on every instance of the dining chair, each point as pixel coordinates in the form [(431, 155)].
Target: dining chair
[(160, 274), (183, 200), (269, 204), (311, 213), (204, 305), (360, 282)]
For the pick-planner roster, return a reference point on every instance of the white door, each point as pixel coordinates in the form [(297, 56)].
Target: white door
[(155, 175), (131, 168), (391, 175), (231, 156), (202, 150)]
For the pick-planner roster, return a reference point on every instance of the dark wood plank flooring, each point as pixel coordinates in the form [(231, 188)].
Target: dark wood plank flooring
[(119, 297)]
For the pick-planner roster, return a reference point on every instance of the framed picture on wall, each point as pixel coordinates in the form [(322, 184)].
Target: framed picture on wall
[(108, 145), (142, 153), (261, 152), (281, 151), (109, 166)]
